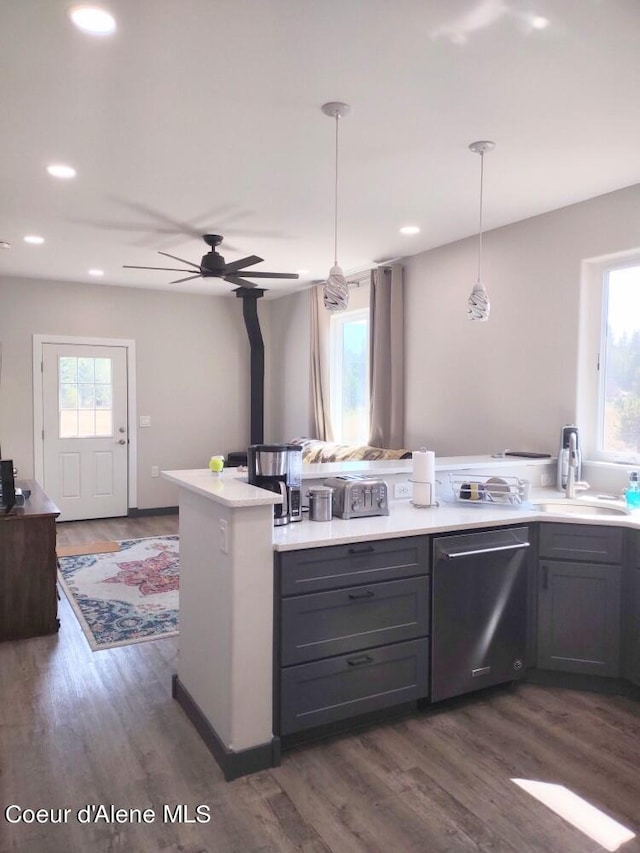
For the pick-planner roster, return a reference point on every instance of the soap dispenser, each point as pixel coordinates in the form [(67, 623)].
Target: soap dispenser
[(632, 495), (563, 456)]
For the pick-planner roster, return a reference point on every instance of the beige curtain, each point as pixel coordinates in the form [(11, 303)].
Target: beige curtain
[(320, 425), (387, 357)]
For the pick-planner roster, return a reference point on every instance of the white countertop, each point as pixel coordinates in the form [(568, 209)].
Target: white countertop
[(406, 520), (227, 488), (232, 490)]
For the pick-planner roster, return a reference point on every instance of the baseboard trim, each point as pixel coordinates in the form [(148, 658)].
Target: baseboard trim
[(134, 512), (577, 681), (233, 764)]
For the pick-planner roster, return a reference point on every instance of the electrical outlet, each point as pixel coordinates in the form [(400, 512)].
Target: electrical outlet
[(223, 529), (402, 490), (155, 471), (546, 478)]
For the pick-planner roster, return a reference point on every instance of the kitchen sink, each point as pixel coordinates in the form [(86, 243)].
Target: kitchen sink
[(566, 506)]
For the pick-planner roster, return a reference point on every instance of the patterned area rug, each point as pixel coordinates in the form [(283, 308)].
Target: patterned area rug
[(124, 597)]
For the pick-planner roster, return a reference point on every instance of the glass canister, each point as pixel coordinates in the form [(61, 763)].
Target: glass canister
[(320, 503)]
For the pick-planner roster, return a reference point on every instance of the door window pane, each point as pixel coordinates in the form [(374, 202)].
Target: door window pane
[(85, 390)]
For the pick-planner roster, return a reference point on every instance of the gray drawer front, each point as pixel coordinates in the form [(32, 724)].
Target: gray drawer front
[(334, 623), (592, 543), (316, 569), (314, 694)]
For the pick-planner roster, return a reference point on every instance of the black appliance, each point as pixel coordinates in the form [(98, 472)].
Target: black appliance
[(478, 609), (7, 485), (278, 467)]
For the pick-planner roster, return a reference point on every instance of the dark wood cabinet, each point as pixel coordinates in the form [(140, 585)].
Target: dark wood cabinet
[(352, 626), (28, 566), (579, 599)]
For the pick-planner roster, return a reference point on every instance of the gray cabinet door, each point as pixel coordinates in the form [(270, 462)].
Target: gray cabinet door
[(313, 694), (335, 566), (596, 544), (345, 620), (634, 622), (579, 617)]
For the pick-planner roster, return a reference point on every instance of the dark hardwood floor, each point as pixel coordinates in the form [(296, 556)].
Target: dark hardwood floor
[(82, 728)]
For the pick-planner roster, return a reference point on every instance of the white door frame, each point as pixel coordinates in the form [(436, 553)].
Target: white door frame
[(38, 408)]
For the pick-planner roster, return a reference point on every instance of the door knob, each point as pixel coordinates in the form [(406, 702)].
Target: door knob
[(122, 441), (122, 429)]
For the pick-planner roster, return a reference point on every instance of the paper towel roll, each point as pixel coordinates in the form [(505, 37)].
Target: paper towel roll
[(424, 466), (422, 495)]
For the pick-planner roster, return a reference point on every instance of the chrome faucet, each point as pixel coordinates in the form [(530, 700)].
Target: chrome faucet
[(572, 466)]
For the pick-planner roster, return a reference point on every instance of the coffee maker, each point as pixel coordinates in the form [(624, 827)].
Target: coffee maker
[(278, 467), (564, 453)]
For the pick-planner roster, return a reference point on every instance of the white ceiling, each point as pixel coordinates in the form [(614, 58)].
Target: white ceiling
[(204, 116)]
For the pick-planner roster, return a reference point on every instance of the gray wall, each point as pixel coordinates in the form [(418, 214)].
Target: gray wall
[(475, 388), (192, 369)]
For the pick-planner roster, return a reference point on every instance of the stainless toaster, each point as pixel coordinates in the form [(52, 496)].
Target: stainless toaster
[(358, 496)]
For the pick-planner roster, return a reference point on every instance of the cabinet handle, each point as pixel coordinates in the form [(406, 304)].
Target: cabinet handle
[(359, 661), (367, 594), (545, 576), (366, 550)]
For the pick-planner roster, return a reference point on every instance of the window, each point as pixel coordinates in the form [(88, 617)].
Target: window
[(349, 376), (85, 393), (619, 391)]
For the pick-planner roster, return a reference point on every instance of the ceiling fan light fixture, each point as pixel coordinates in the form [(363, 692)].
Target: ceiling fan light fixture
[(335, 293), (478, 305)]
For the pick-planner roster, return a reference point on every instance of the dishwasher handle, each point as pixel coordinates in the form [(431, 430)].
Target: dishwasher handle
[(451, 555)]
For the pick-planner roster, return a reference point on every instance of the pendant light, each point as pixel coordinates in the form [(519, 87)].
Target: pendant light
[(336, 289), (478, 306)]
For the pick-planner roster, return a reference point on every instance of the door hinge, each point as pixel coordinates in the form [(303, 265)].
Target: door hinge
[(43, 435), (42, 367)]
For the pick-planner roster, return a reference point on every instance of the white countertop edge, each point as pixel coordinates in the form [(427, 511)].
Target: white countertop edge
[(406, 520), (229, 490)]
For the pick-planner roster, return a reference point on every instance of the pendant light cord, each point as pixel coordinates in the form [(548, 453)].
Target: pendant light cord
[(480, 218), (335, 219)]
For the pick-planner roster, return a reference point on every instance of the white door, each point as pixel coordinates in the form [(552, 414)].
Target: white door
[(85, 429)]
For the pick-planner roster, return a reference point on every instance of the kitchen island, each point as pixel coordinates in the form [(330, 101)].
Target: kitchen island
[(226, 648)]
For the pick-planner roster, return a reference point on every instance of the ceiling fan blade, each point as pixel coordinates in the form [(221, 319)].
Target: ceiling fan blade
[(182, 260), (234, 279), (269, 274), (234, 266), (188, 278), (165, 269)]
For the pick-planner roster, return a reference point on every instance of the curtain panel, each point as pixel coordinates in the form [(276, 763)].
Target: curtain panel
[(320, 414), (387, 357)]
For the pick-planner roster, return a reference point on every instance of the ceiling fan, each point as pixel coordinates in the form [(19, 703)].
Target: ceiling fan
[(213, 265)]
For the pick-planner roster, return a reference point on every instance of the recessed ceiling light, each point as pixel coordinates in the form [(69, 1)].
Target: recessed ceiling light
[(96, 272), (33, 239), (93, 20), (539, 22), (409, 229), (59, 170)]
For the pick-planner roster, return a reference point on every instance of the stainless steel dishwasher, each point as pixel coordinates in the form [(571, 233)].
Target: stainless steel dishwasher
[(479, 610)]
